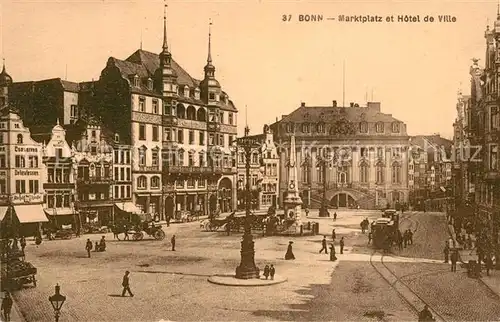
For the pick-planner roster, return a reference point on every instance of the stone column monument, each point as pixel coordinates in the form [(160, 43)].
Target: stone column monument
[(292, 202)]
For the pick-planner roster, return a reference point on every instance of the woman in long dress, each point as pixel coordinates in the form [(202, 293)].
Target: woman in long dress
[(333, 258), (289, 252)]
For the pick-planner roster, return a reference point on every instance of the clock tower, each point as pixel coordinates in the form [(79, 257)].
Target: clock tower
[(292, 202)]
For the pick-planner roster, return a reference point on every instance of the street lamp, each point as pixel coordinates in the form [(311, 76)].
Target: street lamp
[(57, 301), (323, 210), (247, 268)]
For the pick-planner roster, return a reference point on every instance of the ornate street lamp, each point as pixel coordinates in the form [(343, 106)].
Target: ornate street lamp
[(57, 301), (247, 268)]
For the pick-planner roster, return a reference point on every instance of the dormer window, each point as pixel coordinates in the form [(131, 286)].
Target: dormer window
[(226, 99), (197, 93), (305, 128), (137, 82), (289, 127), (320, 128), (211, 96), (117, 137), (186, 91), (379, 127), (363, 127), (395, 127), (150, 84)]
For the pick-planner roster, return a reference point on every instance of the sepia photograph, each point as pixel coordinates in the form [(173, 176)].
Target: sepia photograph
[(252, 160)]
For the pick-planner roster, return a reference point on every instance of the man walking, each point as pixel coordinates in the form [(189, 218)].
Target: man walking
[(172, 241), (341, 243), (334, 235), (446, 252), (323, 246), (126, 284), (88, 247), (6, 306), (454, 260)]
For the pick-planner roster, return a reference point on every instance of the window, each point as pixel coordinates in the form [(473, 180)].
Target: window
[(155, 158), (190, 183), (155, 133), (201, 159), (380, 152), (493, 157), (93, 134), (191, 137), (33, 186), (167, 132), (128, 191), (179, 184), (396, 173), (122, 174), (3, 186), (363, 173), (255, 158), (127, 157), (181, 158), (20, 186), (289, 127), (141, 182), (211, 139), (116, 156), (190, 159), (20, 161), (155, 182), (395, 127), (396, 152), (180, 136), (19, 139), (33, 161), (363, 127), (73, 112), (495, 121), (116, 174), (202, 138), (142, 132), (128, 174), (211, 96), (379, 127), (306, 173), (142, 104), (320, 128), (117, 196), (221, 140), (59, 153), (380, 174), (142, 157), (3, 163), (201, 183), (155, 107), (230, 118)]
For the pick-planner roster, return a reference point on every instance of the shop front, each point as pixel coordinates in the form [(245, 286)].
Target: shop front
[(30, 219), (125, 211)]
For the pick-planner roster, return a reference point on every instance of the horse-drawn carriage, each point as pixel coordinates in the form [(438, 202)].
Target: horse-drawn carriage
[(140, 225), (15, 271), (236, 220)]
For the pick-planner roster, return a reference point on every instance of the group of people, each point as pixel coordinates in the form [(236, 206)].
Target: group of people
[(99, 246), (269, 271)]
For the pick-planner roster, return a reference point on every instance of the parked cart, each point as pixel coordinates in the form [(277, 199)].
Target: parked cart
[(15, 271)]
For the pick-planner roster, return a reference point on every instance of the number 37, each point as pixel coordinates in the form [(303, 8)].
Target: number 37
[(286, 18)]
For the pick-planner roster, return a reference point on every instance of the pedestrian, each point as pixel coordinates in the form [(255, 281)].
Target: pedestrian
[(126, 284), (400, 240), (307, 212), (323, 246), (289, 251), (405, 238), (469, 242), (272, 271), (335, 215), (168, 221), (23, 243), (334, 234), (489, 264), (266, 272), (172, 241), (410, 237), (370, 237), (341, 245), (446, 252), (362, 225), (88, 247), (6, 306), (333, 258), (454, 260)]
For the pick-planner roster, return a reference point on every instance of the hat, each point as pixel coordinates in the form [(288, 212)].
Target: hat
[(290, 242)]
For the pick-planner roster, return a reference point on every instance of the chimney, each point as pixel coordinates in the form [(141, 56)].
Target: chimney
[(351, 104), (303, 104), (374, 106), (334, 103)]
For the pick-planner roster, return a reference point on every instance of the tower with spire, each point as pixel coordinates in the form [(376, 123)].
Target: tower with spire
[(5, 82), (166, 73), (292, 202), (209, 86)]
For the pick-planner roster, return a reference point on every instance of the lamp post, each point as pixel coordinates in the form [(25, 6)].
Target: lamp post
[(57, 301), (247, 268), (323, 210)]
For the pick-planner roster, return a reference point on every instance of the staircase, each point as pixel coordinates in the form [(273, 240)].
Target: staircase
[(364, 198)]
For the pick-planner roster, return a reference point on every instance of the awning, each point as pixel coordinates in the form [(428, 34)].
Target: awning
[(30, 213), (128, 207), (59, 211), (3, 211)]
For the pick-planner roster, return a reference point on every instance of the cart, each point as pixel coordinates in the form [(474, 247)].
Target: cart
[(15, 271)]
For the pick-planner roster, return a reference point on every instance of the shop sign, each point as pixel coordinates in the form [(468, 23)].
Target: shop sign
[(24, 198), (26, 173)]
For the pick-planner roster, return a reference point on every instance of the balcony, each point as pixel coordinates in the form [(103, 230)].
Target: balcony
[(170, 145), (148, 169), (212, 126), (492, 175), (175, 169), (169, 120), (95, 180), (93, 203)]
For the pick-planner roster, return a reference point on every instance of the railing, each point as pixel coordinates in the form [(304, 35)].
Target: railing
[(153, 168), (95, 180), (198, 170)]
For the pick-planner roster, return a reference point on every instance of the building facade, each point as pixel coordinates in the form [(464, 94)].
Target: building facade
[(264, 174), (362, 151)]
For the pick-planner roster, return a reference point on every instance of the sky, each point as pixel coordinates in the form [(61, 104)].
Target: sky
[(267, 66)]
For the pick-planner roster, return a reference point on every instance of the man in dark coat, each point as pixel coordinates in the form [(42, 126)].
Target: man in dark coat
[(172, 241), (323, 246), (341, 243), (289, 251), (334, 234), (454, 260), (446, 252), (126, 284), (88, 247), (6, 306)]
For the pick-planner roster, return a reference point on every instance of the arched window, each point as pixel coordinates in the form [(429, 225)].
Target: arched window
[(181, 158), (142, 182), (181, 111), (396, 173), (305, 128), (379, 170), (363, 172), (201, 115), (155, 183), (395, 127), (289, 127), (19, 139), (379, 127), (320, 128), (191, 113), (363, 127), (142, 156)]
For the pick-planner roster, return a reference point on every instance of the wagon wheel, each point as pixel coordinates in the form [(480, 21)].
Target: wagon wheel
[(159, 234), (140, 235), (213, 227), (136, 236), (207, 226)]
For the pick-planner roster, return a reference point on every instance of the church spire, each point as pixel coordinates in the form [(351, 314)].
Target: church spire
[(209, 58), (165, 43)]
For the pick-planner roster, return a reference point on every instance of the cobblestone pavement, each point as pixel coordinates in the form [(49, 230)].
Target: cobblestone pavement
[(173, 285)]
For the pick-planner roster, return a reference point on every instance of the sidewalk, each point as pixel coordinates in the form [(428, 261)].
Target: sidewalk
[(15, 314)]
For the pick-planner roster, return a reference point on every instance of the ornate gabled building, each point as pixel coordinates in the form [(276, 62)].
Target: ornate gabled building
[(361, 150), (179, 128)]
